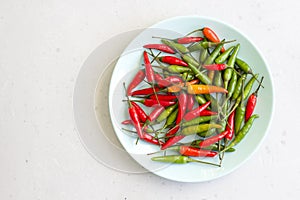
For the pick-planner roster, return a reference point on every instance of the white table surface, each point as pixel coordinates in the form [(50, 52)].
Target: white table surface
[(42, 47)]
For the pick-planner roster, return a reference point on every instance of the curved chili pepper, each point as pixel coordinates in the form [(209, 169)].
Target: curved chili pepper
[(161, 47), (213, 139), (173, 60), (187, 40), (196, 112), (138, 78), (217, 67), (251, 103), (230, 126), (148, 68), (141, 113), (242, 133), (211, 36)]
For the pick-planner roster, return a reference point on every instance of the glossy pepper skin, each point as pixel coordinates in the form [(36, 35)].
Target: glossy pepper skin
[(138, 78), (251, 103), (148, 68), (161, 47)]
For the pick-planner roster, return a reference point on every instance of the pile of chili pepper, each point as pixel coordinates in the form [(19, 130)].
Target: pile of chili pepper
[(192, 96)]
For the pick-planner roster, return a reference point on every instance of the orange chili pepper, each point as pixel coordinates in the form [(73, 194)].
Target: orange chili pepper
[(211, 36), (178, 87), (204, 89)]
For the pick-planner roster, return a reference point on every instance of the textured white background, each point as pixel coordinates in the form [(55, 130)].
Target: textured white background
[(42, 47)]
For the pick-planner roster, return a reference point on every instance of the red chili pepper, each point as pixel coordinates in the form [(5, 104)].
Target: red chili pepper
[(173, 60), (135, 120), (142, 115), (148, 68), (161, 47), (230, 126), (138, 78), (155, 113), (213, 139), (158, 77), (163, 97), (196, 112), (187, 40), (207, 113), (149, 138), (211, 36), (251, 103), (196, 152), (217, 67), (170, 80), (171, 141), (145, 91), (182, 106), (190, 102), (127, 122), (154, 102)]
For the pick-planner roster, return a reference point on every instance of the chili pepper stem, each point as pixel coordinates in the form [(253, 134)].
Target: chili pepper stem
[(203, 162)]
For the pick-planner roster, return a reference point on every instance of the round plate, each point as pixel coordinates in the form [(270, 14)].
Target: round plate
[(129, 63)]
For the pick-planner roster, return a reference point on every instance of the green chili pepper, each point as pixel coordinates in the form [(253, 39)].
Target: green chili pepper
[(218, 81), (238, 87), (232, 84), (179, 160), (203, 55), (228, 71), (199, 120), (178, 69), (196, 47), (232, 58), (198, 128), (200, 99), (213, 100), (171, 119), (207, 133), (213, 147), (243, 66), (176, 46), (190, 60), (247, 90), (223, 57), (210, 59), (201, 76), (249, 86), (166, 113), (240, 112), (242, 133)]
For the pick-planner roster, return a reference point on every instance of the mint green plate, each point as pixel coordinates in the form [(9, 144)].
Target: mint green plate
[(129, 63)]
